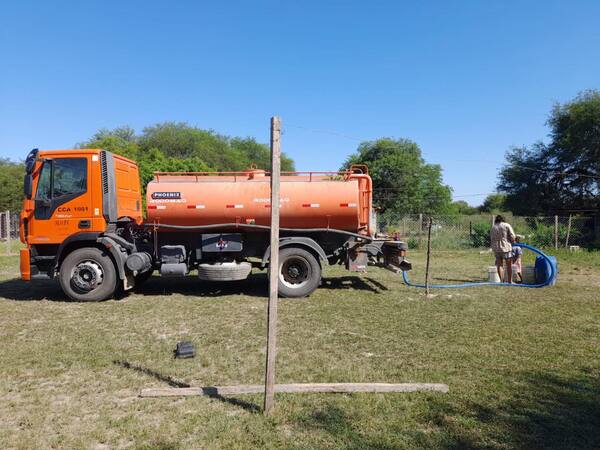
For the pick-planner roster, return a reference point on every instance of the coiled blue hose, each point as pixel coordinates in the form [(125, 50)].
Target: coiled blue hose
[(546, 282)]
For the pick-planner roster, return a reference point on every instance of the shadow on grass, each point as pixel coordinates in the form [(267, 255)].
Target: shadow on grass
[(545, 412), (459, 280), (254, 286), (209, 391), (159, 376), (19, 290), (341, 427), (353, 282)]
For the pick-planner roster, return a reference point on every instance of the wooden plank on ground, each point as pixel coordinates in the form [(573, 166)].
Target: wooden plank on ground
[(294, 388)]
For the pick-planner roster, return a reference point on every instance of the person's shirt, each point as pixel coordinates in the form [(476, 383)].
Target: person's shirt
[(517, 251), (501, 237)]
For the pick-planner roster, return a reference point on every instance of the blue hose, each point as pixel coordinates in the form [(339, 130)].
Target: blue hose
[(546, 282)]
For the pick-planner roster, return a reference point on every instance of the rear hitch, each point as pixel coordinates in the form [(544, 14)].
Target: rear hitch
[(394, 256)]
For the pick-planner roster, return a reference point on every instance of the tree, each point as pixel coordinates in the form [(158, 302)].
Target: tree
[(178, 147), (402, 182), (463, 208), (563, 174), (11, 185), (125, 133), (494, 203), (180, 140)]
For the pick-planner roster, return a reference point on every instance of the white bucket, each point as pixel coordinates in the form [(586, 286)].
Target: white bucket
[(493, 274)]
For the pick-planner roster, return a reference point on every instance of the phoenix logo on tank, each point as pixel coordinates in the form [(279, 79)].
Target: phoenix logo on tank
[(166, 195)]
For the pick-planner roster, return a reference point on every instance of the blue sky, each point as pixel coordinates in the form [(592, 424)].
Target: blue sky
[(465, 80)]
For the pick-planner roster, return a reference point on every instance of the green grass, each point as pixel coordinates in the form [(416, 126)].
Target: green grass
[(522, 364)]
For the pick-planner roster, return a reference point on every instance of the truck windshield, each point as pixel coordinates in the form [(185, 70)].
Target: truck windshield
[(61, 177)]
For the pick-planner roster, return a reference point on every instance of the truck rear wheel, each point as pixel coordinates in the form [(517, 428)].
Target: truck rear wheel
[(88, 275), (299, 272)]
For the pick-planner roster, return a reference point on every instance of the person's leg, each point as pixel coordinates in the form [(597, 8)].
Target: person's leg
[(500, 267), (509, 271)]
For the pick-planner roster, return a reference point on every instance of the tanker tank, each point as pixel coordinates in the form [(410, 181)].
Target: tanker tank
[(307, 200)]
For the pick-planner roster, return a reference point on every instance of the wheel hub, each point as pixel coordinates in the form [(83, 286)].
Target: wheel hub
[(87, 275), (295, 271)]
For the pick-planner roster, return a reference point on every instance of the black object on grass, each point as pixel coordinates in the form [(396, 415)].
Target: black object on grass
[(185, 349)]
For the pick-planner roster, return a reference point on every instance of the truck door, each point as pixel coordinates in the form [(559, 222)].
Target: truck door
[(62, 199)]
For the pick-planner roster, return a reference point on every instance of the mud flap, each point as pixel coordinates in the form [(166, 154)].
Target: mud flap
[(128, 282), (357, 260)]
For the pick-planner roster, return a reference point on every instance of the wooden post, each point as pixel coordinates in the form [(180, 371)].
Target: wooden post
[(428, 255), (420, 229), (7, 227), (273, 266), (568, 231), (556, 232)]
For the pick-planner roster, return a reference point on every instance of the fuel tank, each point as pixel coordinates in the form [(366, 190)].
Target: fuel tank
[(307, 199)]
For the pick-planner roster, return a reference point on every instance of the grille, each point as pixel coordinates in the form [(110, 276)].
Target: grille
[(104, 171)]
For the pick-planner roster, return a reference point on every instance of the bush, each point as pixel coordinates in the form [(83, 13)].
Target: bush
[(542, 235), (480, 235)]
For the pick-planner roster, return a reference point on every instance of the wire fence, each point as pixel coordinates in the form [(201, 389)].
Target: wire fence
[(472, 232), (9, 232), (456, 232)]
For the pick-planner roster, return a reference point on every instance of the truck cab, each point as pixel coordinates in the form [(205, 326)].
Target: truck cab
[(71, 198)]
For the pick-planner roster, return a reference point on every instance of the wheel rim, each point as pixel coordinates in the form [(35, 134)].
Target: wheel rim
[(87, 276), (295, 272)]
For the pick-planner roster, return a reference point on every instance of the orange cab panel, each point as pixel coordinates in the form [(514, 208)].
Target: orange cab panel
[(129, 197)]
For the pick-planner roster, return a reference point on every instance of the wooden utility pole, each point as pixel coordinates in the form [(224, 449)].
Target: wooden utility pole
[(273, 266), (430, 223)]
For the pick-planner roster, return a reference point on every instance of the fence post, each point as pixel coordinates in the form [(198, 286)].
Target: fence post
[(556, 232), (420, 229), (568, 231), (7, 228), (428, 255)]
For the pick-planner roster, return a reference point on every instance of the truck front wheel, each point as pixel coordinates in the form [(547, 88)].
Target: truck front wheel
[(299, 272), (88, 275)]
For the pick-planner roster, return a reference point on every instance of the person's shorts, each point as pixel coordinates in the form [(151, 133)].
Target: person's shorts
[(504, 255)]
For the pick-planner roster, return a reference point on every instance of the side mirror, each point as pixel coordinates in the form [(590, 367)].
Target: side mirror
[(30, 161)]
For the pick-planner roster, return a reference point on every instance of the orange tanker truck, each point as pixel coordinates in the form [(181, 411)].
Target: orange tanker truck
[(83, 223)]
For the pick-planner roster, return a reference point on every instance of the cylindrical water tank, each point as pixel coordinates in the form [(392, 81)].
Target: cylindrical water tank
[(306, 201)]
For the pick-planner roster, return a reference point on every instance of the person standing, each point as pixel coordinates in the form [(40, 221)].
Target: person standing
[(502, 236)]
